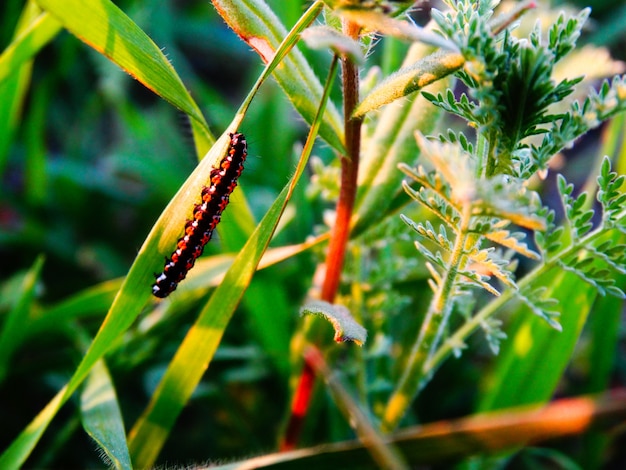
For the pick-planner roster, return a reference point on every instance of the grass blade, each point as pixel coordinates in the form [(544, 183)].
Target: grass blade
[(33, 31), (534, 357), (257, 24), (102, 418), (16, 322), (31, 38), (128, 303), (199, 346)]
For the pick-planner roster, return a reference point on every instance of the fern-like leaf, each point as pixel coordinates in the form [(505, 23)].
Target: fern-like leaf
[(541, 306), (613, 201)]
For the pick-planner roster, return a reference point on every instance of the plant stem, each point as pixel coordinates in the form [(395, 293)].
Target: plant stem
[(430, 333), (299, 407), (349, 172), (306, 382), (341, 231), (383, 453)]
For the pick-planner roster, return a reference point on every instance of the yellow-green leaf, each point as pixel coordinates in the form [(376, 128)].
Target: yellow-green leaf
[(410, 79)]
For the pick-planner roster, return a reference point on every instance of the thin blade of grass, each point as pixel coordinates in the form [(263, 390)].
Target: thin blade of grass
[(135, 290), (92, 301), (384, 453), (128, 303), (102, 418), (198, 348), (33, 31), (16, 321), (281, 56), (31, 38)]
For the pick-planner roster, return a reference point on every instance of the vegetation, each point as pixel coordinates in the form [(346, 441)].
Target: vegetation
[(433, 193)]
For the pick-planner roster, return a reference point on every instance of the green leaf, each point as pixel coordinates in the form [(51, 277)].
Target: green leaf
[(393, 142), (410, 79), (256, 24), (199, 346), (16, 322), (534, 357), (346, 327), (104, 27), (102, 418)]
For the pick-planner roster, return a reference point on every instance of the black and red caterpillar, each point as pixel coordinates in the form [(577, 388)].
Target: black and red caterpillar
[(206, 216)]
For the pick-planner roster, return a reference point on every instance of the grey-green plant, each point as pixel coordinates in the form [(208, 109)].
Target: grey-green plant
[(479, 192)]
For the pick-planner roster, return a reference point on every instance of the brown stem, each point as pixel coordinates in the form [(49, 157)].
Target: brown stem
[(349, 173)]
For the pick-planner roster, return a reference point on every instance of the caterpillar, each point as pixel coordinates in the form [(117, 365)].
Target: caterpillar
[(206, 215)]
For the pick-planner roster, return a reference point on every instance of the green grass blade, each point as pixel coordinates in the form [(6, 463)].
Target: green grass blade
[(16, 321), (31, 38), (33, 31), (199, 346), (102, 418), (108, 30), (95, 300), (257, 24), (129, 301), (36, 184), (534, 356)]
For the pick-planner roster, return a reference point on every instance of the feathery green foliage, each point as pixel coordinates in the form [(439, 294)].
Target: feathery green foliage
[(479, 195)]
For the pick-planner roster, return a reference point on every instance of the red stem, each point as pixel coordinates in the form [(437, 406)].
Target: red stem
[(349, 173), (340, 234), (299, 407)]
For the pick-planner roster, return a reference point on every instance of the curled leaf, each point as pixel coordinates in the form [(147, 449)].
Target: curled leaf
[(323, 37), (346, 327)]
